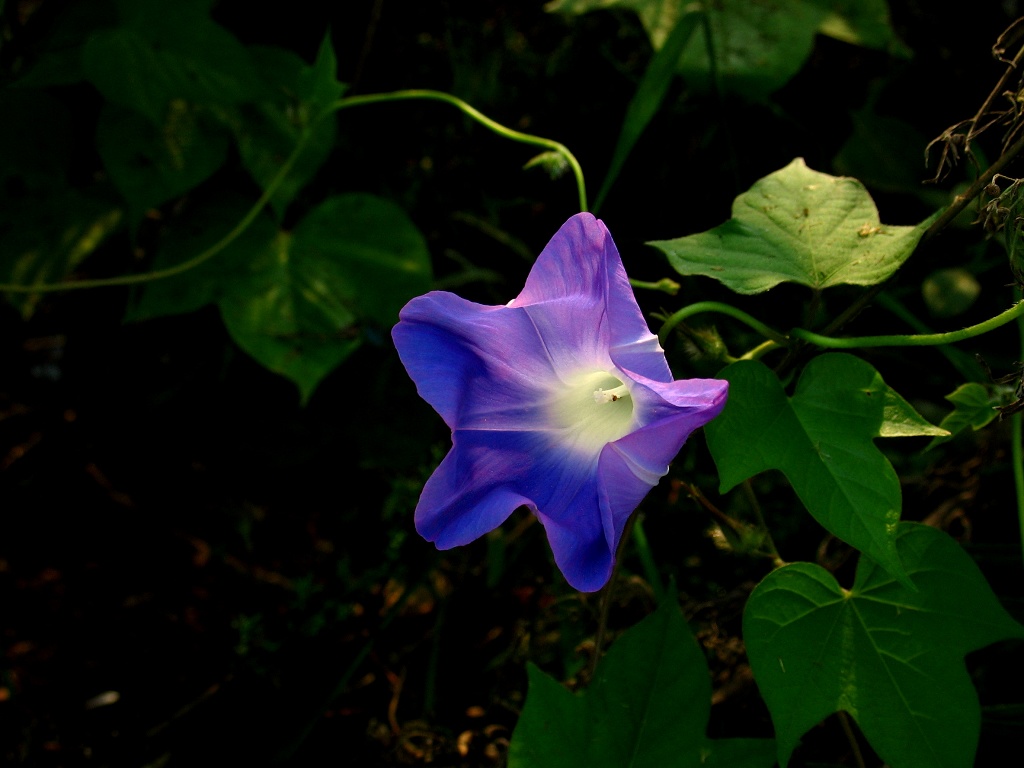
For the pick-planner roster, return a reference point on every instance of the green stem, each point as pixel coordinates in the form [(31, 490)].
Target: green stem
[(1017, 454), (643, 551), (665, 285), (851, 737), (714, 306), (606, 600), (755, 506), (177, 269), (965, 365), (279, 177), (1017, 448), (911, 340), (466, 109), (760, 350)]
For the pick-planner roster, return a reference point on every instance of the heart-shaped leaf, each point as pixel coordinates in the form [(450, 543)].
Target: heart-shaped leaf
[(821, 440), (150, 165), (168, 50), (188, 234), (889, 656), (267, 132), (354, 258), (797, 225), (647, 706)]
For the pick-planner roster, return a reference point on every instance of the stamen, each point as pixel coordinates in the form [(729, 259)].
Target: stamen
[(611, 395)]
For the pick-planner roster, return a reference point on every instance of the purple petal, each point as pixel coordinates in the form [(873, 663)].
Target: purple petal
[(486, 475), (473, 490), (632, 465), (582, 263), (498, 377), (478, 366)]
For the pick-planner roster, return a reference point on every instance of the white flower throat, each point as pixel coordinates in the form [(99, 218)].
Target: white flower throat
[(592, 409)]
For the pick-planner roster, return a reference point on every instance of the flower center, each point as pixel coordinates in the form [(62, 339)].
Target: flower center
[(594, 409), (610, 395)]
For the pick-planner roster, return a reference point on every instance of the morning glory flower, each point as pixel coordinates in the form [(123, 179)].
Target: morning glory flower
[(560, 401)]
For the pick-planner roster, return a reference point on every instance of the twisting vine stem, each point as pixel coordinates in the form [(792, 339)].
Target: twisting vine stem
[(1017, 446), (282, 173), (725, 309), (466, 109), (776, 338), (185, 266)]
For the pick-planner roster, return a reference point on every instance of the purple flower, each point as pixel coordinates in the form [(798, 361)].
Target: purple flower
[(560, 401)]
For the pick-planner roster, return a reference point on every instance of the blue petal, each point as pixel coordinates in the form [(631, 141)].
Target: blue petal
[(486, 475), (580, 547), (473, 490)]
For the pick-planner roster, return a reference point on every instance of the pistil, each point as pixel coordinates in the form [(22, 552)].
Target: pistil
[(611, 395)]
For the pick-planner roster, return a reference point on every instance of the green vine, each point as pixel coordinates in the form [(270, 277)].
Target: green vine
[(282, 173)]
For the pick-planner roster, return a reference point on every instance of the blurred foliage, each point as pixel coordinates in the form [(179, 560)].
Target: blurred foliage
[(178, 90), (202, 560)]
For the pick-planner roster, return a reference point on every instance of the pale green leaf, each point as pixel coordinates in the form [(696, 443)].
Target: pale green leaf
[(861, 22), (797, 225), (889, 656), (288, 316)]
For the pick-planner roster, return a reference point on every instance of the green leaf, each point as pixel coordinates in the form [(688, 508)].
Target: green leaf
[(648, 97), (318, 85), (553, 728), (647, 706), (150, 165), (885, 154), (889, 656), (59, 58), (974, 406), (861, 22), (295, 310), (372, 252), (267, 132), (755, 47), (797, 225), (288, 315), (186, 236), (168, 50), (43, 237), (821, 440)]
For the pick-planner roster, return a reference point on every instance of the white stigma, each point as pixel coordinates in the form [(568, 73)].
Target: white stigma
[(611, 395)]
